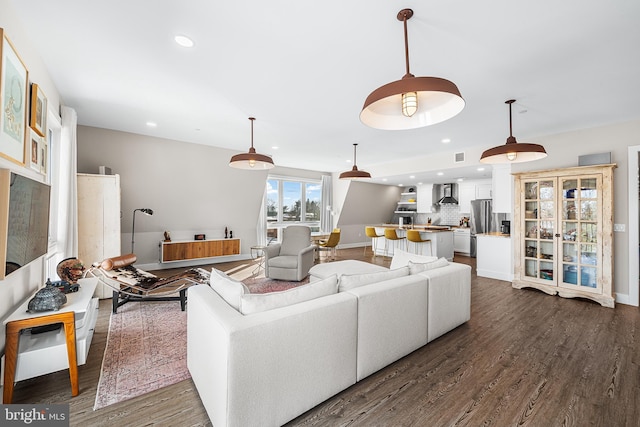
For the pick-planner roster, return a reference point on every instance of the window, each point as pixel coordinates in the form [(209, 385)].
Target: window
[(285, 205)]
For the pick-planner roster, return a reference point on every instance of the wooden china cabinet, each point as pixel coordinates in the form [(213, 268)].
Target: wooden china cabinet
[(563, 230)]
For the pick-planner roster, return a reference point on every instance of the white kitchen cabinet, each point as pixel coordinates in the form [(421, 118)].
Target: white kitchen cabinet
[(462, 240), (494, 256), (425, 198), (484, 191), (466, 193), (502, 182), (98, 221)]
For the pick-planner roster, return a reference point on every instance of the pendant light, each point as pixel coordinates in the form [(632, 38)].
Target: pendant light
[(251, 160), (411, 102), (513, 151), (354, 173)]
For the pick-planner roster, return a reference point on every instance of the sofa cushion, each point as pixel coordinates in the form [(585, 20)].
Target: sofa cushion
[(347, 266), (255, 303), (402, 258), (229, 289), (284, 261), (351, 281), (419, 267)]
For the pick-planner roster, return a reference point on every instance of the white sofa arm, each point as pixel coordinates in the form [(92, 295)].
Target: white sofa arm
[(449, 298), (267, 368)]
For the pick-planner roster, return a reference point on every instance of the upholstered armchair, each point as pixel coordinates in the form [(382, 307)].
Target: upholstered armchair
[(291, 259)]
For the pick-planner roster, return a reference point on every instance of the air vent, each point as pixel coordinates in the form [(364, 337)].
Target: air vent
[(458, 157)]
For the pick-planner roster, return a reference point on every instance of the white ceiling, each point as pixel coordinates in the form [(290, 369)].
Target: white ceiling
[(304, 69)]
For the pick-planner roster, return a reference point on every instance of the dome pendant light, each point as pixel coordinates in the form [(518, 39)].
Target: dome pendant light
[(251, 160), (412, 102), (513, 151), (354, 173)]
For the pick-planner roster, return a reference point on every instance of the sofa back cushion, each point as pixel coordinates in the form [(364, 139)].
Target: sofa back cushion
[(351, 281), (229, 289), (419, 267), (402, 258), (255, 303)]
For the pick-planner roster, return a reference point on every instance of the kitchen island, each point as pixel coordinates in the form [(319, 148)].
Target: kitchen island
[(441, 240), (494, 256)]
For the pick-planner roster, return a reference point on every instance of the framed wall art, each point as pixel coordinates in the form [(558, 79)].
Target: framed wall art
[(38, 117), (35, 148), (13, 102)]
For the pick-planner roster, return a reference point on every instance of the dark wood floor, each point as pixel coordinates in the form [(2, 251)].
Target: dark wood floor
[(524, 358)]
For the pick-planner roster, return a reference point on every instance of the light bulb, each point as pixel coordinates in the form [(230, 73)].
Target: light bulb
[(252, 162), (511, 156), (409, 103)]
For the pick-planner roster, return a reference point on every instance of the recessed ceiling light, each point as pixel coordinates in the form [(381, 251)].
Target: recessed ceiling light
[(348, 160), (480, 169), (460, 179), (412, 176), (400, 185), (446, 140), (152, 124), (440, 173), (274, 147), (384, 179), (183, 41), (419, 183)]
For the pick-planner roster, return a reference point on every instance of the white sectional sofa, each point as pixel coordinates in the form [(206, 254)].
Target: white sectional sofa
[(292, 350)]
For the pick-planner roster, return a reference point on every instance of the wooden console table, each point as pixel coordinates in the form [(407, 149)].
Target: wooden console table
[(77, 305), (195, 249)]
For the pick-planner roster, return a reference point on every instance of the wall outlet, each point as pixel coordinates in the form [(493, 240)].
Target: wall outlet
[(619, 228)]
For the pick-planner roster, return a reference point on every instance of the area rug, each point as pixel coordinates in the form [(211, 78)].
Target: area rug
[(147, 345), (146, 350)]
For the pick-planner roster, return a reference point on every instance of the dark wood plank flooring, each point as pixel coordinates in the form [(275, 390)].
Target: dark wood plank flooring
[(524, 358)]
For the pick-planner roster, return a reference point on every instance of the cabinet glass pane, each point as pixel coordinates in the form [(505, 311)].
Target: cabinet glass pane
[(569, 230), (546, 250), (546, 270), (570, 274), (569, 252), (588, 189), (588, 276), (531, 229), (589, 210), (569, 209), (531, 268), (546, 190), (531, 249), (588, 254), (531, 210), (547, 210), (546, 230), (588, 232), (531, 190), (569, 188)]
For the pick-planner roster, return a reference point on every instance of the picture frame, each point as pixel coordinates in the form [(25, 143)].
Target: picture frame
[(35, 151), (38, 116), (14, 77), (44, 156), (199, 237)]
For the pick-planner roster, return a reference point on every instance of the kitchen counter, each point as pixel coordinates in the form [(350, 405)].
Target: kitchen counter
[(441, 240), (494, 234)]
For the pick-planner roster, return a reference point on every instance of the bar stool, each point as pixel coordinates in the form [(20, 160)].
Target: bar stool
[(415, 237), (373, 235), (391, 235)]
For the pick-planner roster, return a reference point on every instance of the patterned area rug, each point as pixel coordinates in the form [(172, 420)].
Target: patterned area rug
[(147, 346), (146, 350)]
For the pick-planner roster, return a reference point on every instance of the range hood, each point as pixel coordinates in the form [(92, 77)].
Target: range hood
[(448, 198)]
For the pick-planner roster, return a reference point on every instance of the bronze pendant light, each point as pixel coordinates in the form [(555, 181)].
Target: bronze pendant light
[(354, 173), (513, 151), (411, 102), (251, 160)]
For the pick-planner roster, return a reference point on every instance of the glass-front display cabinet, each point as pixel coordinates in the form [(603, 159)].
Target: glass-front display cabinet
[(563, 232)]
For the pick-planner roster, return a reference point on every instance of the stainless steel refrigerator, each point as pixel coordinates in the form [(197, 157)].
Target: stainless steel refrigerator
[(483, 220)]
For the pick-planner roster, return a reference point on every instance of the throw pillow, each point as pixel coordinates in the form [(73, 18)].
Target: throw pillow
[(415, 268), (402, 258), (229, 289), (255, 303), (351, 281)]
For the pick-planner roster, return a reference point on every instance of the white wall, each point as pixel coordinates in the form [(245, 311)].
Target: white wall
[(19, 285), (190, 188)]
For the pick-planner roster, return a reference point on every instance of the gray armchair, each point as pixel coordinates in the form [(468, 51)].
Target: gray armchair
[(291, 259)]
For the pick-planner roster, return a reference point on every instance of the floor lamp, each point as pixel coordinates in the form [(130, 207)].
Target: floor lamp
[(133, 228)]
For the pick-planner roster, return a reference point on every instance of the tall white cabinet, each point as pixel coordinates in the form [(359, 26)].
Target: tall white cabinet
[(98, 221)]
